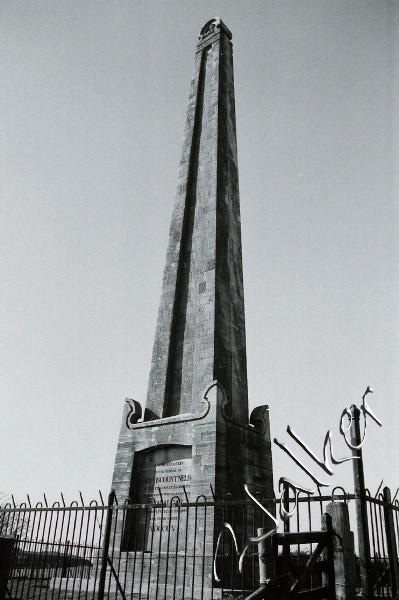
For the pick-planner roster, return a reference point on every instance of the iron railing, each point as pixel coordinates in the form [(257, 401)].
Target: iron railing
[(160, 550), (383, 525), (144, 551)]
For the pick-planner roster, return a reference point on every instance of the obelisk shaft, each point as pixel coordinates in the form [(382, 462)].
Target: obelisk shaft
[(200, 333)]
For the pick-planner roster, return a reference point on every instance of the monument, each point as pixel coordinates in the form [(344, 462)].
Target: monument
[(195, 438)]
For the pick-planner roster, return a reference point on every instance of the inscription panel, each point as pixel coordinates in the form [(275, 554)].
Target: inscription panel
[(160, 475), (164, 481)]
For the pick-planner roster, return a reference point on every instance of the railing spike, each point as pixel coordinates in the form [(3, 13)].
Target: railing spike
[(185, 493), (212, 492), (379, 487)]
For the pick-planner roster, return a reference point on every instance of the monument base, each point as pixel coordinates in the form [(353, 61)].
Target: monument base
[(183, 469)]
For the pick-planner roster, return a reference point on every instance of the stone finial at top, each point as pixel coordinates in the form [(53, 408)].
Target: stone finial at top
[(211, 27)]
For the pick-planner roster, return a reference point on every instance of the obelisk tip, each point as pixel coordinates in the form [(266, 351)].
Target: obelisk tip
[(212, 26)]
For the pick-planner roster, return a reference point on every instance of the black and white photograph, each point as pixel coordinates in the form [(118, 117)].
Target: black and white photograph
[(199, 300)]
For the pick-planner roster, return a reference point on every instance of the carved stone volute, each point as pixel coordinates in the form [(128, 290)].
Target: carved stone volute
[(135, 412), (260, 418)]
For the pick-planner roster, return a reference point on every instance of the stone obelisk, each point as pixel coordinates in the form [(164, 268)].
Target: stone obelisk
[(195, 436)]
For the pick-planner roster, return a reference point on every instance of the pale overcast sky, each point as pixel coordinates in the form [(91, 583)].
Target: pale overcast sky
[(93, 110)]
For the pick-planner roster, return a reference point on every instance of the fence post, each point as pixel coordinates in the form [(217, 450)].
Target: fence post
[(286, 546), (105, 547), (343, 551), (328, 575), (391, 542), (361, 508), (6, 548)]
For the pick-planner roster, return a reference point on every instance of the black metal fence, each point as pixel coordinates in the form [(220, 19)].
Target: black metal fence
[(153, 551), (160, 551), (57, 548)]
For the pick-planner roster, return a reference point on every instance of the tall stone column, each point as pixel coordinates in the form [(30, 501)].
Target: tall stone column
[(200, 333), (195, 431)]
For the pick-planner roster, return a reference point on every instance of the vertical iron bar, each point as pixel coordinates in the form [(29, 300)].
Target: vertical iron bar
[(53, 555), (224, 519), (90, 549), (159, 548), (203, 552), (396, 509), (125, 517), (177, 548), (14, 554), (136, 515), (243, 529), (46, 547), (374, 532), (185, 550), (42, 551), (286, 547), (72, 570), (298, 528), (310, 529), (194, 546), (133, 517), (66, 552), (97, 556), (18, 533), (145, 535), (377, 548), (383, 553), (105, 546), (150, 556), (111, 554), (253, 557), (167, 550), (391, 542), (62, 536), (35, 554)]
